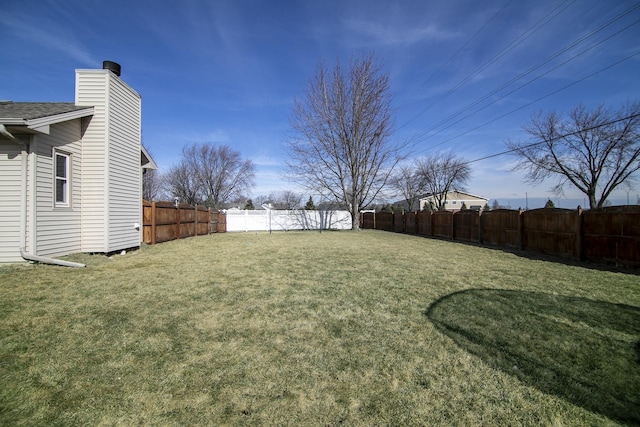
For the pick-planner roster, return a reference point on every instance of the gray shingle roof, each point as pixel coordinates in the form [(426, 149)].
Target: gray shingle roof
[(35, 110)]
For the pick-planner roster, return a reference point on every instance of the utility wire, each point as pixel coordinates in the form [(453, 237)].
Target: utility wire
[(452, 116), (556, 138), (537, 26), (535, 101), (460, 49), (533, 144)]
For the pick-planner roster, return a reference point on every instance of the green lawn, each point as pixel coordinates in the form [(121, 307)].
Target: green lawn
[(325, 329)]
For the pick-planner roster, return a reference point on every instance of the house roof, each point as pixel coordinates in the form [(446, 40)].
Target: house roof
[(145, 159), (38, 116), (426, 196), (35, 110)]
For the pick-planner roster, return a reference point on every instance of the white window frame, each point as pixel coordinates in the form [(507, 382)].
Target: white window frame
[(65, 180)]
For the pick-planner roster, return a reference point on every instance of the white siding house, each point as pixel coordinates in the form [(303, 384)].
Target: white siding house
[(71, 173), (455, 200)]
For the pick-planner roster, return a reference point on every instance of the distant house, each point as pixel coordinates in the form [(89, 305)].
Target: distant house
[(455, 200), (71, 173)]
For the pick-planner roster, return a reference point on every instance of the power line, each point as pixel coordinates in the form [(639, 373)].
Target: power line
[(556, 138), (460, 49), (480, 100), (535, 101), (533, 144), (528, 33)]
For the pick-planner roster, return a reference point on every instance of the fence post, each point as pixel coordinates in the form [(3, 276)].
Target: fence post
[(480, 239), (520, 229), (431, 223), (178, 235), (579, 233), (153, 222), (453, 226)]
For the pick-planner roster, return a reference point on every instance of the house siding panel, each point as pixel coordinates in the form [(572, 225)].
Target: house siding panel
[(124, 165), (58, 229), (91, 90), (10, 176), (112, 195)]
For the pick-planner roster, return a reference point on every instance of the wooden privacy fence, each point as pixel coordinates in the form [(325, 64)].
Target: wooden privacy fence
[(164, 221), (610, 235)]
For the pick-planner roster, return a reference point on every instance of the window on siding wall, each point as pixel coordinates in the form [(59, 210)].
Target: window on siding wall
[(62, 179)]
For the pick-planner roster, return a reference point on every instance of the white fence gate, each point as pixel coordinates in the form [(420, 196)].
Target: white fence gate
[(281, 220)]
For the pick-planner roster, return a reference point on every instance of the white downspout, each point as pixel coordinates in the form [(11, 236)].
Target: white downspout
[(46, 260), (23, 195), (23, 218)]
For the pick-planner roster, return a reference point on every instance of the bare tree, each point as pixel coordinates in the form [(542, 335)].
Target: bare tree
[(340, 146), (260, 200), (287, 200), (151, 184), (220, 172), (209, 174), (441, 173), (407, 182), (181, 182), (594, 150)]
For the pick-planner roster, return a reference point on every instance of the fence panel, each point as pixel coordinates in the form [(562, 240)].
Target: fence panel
[(384, 221), (368, 221), (467, 225), (612, 234), (551, 231), (442, 223), (423, 223), (501, 227), (167, 223), (284, 220), (410, 223), (147, 220), (164, 221), (398, 222), (217, 222)]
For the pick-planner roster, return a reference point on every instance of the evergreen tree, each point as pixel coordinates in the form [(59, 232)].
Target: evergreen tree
[(463, 207), (249, 205), (310, 206), (549, 204)]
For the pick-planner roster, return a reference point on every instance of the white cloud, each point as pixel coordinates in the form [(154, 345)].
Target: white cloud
[(48, 34), (380, 34)]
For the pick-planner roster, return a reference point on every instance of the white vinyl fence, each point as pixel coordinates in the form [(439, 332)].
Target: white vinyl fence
[(277, 220)]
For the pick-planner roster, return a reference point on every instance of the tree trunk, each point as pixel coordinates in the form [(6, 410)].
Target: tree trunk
[(355, 221)]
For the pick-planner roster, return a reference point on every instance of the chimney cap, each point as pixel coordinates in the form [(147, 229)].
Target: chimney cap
[(114, 67)]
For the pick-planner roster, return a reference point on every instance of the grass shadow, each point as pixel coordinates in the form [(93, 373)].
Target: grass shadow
[(585, 351)]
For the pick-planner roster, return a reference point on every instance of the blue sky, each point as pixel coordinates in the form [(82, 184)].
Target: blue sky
[(226, 72)]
